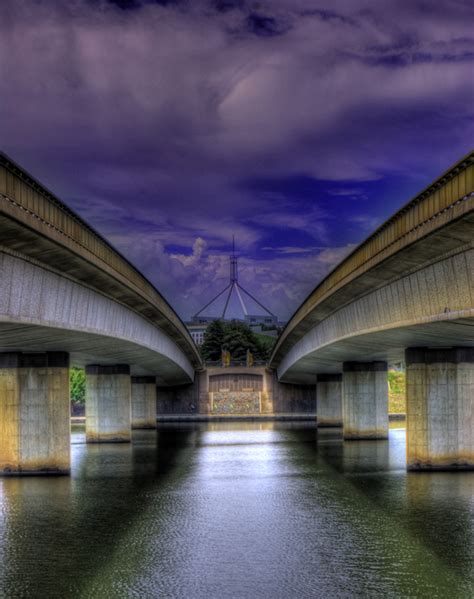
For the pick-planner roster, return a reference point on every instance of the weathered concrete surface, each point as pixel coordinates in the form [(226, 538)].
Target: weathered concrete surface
[(329, 399), (143, 402), (432, 306), (184, 399), (275, 398), (40, 308), (365, 400), (108, 404), (293, 398), (34, 413), (440, 409)]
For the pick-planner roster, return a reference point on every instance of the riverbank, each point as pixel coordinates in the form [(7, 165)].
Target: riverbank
[(78, 420)]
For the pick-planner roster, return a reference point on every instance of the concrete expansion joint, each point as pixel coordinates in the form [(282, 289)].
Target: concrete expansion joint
[(357, 437), (56, 359), (422, 466), (111, 369), (329, 378), (426, 355), (365, 366), (11, 472), (143, 380)]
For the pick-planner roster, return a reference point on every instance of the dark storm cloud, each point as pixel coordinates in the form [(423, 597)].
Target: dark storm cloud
[(171, 125)]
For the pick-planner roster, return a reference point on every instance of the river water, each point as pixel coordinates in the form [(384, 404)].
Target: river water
[(241, 510)]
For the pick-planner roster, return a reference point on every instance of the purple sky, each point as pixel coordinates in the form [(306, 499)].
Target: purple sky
[(296, 125)]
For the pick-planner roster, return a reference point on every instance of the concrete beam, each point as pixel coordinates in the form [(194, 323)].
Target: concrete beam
[(431, 306), (43, 309)]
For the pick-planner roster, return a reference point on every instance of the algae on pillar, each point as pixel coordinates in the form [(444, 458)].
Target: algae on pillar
[(329, 399), (108, 403), (440, 408), (365, 400), (35, 426), (143, 402)]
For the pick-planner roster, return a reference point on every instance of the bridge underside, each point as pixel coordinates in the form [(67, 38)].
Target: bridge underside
[(90, 348), (383, 345)]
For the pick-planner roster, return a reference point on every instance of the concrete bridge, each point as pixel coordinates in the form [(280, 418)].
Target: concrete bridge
[(68, 297), (405, 294)]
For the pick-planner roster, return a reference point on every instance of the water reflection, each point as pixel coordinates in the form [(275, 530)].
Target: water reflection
[(238, 510)]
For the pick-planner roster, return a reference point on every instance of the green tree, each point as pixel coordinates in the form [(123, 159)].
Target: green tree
[(236, 337), (213, 341), (239, 338), (77, 378)]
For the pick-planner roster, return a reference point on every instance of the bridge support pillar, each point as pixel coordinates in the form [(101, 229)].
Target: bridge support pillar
[(108, 404), (143, 402), (329, 399), (35, 426), (440, 408), (365, 400)]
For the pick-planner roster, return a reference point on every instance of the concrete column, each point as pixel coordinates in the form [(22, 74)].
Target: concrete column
[(440, 408), (267, 392), (365, 400), (35, 429), (329, 399), (143, 402), (108, 404)]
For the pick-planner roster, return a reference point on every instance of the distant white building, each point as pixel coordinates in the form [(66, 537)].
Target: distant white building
[(197, 331)]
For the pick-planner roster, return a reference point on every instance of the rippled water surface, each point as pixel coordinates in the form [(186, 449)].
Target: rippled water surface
[(238, 510)]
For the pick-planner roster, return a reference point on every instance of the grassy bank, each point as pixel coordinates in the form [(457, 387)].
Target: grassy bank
[(396, 392)]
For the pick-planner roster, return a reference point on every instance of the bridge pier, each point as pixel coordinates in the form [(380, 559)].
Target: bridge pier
[(143, 401), (365, 400), (34, 413), (108, 403), (329, 400), (440, 408)]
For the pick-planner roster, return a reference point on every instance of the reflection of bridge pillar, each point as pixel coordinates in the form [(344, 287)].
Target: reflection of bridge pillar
[(108, 403), (329, 399), (143, 402), (440, 408), (34, 413), (365, 400)]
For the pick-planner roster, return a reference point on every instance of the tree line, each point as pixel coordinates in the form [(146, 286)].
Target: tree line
[(235, 337)]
